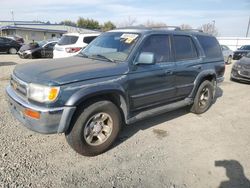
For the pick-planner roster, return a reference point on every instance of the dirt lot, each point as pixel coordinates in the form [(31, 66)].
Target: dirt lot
[(175, 150)]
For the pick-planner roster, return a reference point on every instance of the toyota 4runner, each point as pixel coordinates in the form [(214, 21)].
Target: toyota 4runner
[(124, 75)]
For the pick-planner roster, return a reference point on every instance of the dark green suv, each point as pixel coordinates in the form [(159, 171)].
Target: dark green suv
[(124, 75)]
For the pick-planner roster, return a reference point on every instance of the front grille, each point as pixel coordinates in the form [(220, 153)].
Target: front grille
[(19, 86), (246, 66), (245, 73)]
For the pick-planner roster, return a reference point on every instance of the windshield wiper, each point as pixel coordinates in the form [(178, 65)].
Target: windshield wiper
[(83, 55), (103, 57)]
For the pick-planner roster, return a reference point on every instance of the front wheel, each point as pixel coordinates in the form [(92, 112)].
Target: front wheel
[(12, 51), (94, 128), (203, 98)]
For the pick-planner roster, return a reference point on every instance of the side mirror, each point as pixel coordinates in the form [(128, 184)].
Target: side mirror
[(146, 58)]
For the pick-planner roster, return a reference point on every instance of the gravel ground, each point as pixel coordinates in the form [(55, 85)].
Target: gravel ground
[(176, 150)]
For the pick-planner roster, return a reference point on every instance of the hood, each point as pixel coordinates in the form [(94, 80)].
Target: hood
[(241, 51), (244, 61), (67, 70), (28, 47)]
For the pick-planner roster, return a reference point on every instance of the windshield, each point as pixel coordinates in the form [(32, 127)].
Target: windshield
[(41, 43), (245, 47), (67, 39), (113, 46)]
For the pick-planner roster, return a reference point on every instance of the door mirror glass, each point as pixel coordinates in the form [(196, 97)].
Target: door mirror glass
[(146, 58)]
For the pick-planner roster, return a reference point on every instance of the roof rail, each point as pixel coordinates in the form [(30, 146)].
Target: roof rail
[(197, 30), (176, 28), (146, 27)]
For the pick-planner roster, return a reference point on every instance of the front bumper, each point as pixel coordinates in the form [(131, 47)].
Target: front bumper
[(24, 55), (52, 120), (236, 75)]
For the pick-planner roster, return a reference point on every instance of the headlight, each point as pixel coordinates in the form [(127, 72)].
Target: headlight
[(28, 52), (42, 93), (237, 66)]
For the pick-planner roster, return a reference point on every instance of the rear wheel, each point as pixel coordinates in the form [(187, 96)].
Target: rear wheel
[(94, 128), (203, 98), (12, 51)]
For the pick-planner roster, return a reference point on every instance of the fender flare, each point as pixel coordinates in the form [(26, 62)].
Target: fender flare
[(94, 91), (199, 80)]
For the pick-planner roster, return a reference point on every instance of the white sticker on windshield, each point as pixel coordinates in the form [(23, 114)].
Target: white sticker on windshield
[(129, 37)]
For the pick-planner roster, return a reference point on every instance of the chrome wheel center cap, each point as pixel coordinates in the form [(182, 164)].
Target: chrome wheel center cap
[(98, 127)]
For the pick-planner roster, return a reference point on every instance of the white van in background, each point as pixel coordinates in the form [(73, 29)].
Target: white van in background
[(72, 43)]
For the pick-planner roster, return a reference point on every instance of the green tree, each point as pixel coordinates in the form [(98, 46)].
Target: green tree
[(88, 23), (108, 26), (68, 23)]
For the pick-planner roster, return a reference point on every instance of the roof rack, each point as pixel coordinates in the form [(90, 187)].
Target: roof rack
[(197, 30), (176, 28), (145, 27)]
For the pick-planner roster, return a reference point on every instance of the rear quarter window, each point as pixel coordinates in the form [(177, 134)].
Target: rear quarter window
[(87, 40), (210, 46), (67, 39)]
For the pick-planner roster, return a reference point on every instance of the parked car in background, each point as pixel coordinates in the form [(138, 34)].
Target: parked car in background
[(17, 38), (227, 54), (71, 44), (241, 69), (9, 46), (42, 49), (242, 51)]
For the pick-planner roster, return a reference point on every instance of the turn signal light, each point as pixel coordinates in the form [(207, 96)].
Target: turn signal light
[(31, 113)]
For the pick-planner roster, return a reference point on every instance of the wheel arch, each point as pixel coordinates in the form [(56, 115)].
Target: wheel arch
[(113, 94), (206, 75)]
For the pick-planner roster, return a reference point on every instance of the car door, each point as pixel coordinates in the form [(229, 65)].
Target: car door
[(188, 64), (152, 84), (1, 44), (47, 50), (5, 44)]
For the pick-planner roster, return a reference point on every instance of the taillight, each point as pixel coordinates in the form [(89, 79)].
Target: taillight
[(73, 50)]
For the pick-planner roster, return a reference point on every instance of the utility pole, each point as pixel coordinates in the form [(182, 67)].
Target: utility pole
[(248, 27), (12, 16), (213, 26)]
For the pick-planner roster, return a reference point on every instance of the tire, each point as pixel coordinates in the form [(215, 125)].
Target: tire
[(229, 60), (89, 134), (204, 98), (12, 51)]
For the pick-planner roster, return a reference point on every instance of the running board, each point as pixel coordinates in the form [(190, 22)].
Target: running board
[(159, 110)]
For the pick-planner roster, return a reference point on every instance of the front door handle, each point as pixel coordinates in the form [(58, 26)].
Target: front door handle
[(169, 72), (198, 66)]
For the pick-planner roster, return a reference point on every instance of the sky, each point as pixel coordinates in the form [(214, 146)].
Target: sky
[(230, 16)]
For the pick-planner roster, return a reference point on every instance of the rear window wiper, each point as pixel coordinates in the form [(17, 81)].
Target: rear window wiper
[(103, 57)]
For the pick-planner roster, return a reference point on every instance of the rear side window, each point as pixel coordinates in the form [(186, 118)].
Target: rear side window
[(210, 46), (184, 48), (67, 39), (159, 46), (87, 40)]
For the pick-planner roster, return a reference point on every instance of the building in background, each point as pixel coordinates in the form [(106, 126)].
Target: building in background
[(37, 31)]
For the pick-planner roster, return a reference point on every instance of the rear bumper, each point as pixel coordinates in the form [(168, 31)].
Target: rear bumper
[(63, 54), (52, 120)]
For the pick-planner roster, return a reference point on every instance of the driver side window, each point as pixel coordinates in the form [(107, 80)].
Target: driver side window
[(159, 46)]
